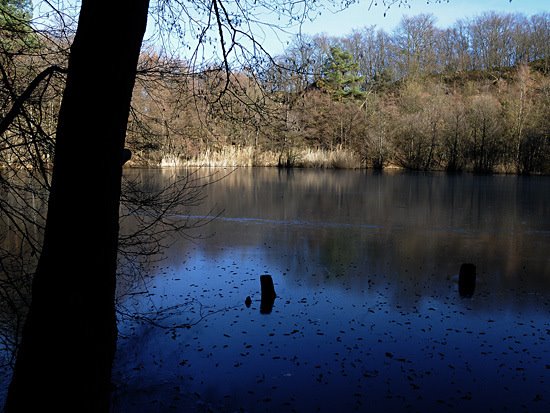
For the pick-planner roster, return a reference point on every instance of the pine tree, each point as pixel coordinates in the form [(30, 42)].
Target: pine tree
[(15, 29), (340, 76)]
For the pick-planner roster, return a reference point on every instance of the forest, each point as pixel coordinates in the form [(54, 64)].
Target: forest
[(471, 97)]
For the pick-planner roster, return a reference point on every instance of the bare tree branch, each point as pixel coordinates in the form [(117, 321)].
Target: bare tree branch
[(21, 99)]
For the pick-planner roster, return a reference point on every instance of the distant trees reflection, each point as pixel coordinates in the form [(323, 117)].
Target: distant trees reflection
[(405, 234)]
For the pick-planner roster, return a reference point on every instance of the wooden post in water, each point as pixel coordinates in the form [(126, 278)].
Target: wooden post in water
[(467, 280), (268, 294)]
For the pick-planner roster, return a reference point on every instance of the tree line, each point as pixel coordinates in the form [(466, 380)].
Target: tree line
[(471, 97)]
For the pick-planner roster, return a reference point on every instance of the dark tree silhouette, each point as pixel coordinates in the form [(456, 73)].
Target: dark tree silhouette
[(69, 339)]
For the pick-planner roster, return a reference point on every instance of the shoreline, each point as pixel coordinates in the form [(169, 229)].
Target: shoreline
[(337, 159)]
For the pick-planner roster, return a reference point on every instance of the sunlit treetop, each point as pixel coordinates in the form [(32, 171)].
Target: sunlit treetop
[(15, 16), (340, 75), (235, 31), (14, 12)]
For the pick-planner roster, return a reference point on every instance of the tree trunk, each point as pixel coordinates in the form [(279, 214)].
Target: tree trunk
[(69, 340)]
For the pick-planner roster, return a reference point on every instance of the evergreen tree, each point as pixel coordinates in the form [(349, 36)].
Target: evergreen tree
[(340, 76), (15, 29)]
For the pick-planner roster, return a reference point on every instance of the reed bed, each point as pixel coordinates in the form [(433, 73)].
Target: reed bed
[(249, 156)]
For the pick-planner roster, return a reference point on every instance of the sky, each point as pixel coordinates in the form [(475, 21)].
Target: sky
[(360, 14), (446, 13)]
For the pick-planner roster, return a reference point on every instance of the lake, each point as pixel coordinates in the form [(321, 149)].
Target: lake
[(368, 314)]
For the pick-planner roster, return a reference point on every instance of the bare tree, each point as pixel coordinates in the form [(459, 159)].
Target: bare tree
[(415, 40), (485, 137)]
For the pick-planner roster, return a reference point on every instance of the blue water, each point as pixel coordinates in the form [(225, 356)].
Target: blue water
[(367, 315)]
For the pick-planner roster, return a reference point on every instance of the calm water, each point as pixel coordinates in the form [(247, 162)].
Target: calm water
[(367, 315)]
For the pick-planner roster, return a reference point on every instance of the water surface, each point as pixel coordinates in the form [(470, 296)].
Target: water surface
[(367, 316)]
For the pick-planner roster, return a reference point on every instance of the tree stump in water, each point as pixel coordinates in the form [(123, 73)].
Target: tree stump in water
[(467, 280), (268, 294)]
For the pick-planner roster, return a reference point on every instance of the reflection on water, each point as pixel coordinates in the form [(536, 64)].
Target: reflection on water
[(371, 311)]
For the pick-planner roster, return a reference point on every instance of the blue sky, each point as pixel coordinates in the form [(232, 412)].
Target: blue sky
[(359, 15)]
